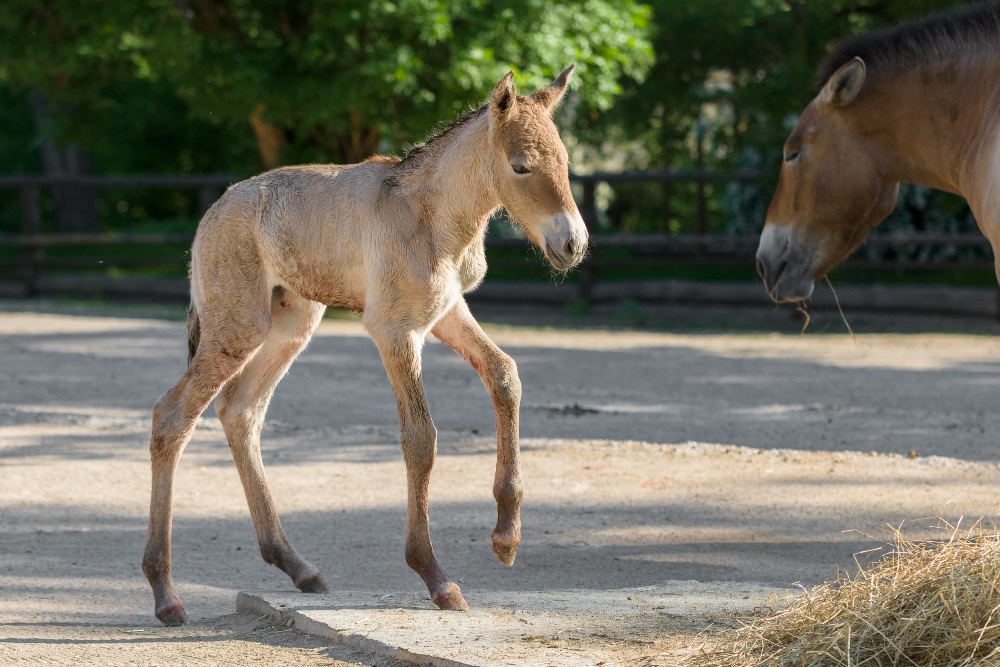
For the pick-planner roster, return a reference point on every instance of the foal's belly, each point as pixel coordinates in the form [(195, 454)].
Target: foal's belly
[(328, 271), (336, 287)]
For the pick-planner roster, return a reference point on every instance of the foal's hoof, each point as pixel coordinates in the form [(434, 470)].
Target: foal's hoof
[(172, 614), (505, 547), (450, 598), (312, 584)]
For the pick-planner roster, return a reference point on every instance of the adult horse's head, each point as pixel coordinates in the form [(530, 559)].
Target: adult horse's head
[(533, 169), (831, 191)]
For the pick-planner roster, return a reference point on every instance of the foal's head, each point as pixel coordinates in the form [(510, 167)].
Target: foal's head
[(533, 169), (830, 193)]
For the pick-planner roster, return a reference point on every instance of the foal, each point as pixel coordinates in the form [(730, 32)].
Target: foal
[(400, 240)]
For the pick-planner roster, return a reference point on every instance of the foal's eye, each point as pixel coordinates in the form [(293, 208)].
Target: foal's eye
[(791, 157), (520, 169)]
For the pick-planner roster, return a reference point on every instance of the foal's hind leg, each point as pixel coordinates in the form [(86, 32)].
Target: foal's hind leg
[(174, 418), (241, 407), (400, 350), (460, 331)]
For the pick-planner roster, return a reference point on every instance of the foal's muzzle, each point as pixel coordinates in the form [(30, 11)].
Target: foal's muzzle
[(566, 240)]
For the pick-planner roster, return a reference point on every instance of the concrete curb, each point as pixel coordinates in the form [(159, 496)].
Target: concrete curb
[(975, 301), (132, 288), (556, 628), (247, 603)]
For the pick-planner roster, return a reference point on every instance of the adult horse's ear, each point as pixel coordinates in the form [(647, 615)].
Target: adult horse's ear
[(846, 83), (503, 99), (552, 94)]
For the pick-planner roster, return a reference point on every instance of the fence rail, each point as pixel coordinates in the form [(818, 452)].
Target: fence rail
[(666, 178), (34, 241), (651, 248)]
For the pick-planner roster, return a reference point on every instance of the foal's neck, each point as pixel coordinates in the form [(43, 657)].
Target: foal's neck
[(453, 185), (934, 122)]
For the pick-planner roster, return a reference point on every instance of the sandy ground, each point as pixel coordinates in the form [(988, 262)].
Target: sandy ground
[(624, 486)]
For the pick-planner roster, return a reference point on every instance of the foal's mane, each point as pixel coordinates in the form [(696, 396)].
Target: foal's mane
[(442, 132), (920, 41)]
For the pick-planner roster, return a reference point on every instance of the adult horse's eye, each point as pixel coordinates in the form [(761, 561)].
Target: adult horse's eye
[(520, 169), (791, 157)]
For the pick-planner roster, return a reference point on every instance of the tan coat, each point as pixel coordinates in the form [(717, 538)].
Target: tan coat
[(400, 240)]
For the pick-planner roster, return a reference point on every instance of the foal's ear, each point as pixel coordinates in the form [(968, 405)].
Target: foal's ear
[(552, 94), (846, 83), (503, 99)]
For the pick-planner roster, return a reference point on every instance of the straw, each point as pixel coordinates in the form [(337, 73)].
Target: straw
[(930, 604)]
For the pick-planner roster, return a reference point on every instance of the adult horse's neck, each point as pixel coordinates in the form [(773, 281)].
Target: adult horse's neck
[(937, 126), (451, 184)]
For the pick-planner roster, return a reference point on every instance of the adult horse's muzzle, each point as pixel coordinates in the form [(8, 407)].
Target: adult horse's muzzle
[(785, 264), (566, 240)]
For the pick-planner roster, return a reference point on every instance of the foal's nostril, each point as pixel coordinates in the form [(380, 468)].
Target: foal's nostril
[(760, 269), (570, 248)]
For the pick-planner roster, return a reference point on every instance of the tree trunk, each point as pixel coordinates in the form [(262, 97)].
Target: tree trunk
[(361, 143), (75, 205), (270, 138)]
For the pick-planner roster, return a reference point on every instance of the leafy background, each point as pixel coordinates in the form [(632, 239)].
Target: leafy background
[(236, 86)]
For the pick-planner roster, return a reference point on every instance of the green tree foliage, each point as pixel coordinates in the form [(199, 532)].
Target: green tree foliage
[(233, 85), (87, 61), (316, 79), (739, 70), (340, 79), (731, 76)]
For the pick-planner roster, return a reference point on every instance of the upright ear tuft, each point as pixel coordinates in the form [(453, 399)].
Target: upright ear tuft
[(846, 83), (550, 96), (503, 99)]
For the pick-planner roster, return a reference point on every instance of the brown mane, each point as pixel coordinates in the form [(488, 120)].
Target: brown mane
[(913, 43), (417, 151)]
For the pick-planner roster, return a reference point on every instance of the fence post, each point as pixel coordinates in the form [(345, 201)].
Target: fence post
[(699, 161), (667, 196), (588, 271), (31, 223)]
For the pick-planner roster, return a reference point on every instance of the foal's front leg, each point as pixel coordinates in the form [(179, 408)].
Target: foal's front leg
[(400, 352), (460, 331)]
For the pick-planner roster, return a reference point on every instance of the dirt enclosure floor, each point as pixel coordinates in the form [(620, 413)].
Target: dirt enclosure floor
[(695, 453)]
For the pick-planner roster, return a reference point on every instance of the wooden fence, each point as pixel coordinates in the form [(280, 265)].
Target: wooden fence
[(650, 249), (34, 241), (666, 179)]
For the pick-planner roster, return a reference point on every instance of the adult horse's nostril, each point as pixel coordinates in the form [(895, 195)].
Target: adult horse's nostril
[(769, 273), (773, 282), (570, 248)]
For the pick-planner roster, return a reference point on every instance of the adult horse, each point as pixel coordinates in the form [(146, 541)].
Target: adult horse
[(400, 240), (918, 103)]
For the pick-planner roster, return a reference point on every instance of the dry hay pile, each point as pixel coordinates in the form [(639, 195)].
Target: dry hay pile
[(930, 604)]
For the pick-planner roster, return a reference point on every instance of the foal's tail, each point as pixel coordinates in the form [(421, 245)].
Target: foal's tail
[(194, 331)]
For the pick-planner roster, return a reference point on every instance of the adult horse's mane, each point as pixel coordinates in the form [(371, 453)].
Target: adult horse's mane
[(920, 41)]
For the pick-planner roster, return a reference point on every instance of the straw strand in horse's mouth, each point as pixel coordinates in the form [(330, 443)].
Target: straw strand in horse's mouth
[(800, 306), (843, 317)]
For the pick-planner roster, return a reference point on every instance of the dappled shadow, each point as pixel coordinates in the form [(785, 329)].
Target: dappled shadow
[(362, 549), (337, 403), (227, 639), (85, 397)]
